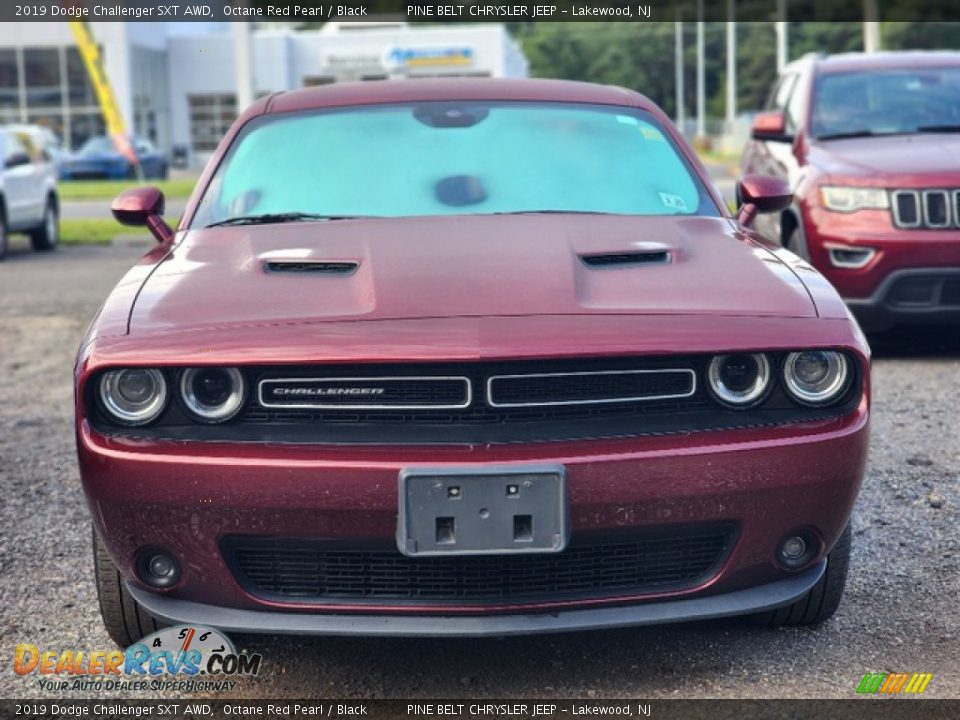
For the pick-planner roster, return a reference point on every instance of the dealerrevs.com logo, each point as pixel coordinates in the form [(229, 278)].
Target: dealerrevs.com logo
[(184, 658)]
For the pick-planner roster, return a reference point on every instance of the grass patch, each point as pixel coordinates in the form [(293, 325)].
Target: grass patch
[(718, 158), (92, 231), (109, 189)]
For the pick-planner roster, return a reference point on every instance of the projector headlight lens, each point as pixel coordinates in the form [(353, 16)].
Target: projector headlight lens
[(816, 377), (133, 396), (212, 395), (739, 380)]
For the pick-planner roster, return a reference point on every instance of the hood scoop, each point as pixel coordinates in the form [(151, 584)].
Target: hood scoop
[(626, 259), (312, 267)]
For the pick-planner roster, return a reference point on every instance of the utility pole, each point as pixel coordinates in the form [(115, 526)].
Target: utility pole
[(731, 66), (871, 26), (781, 30), (678, 70), (243, 64), (701, 77)]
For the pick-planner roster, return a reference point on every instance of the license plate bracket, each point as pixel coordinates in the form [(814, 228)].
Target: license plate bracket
[(482, 511)]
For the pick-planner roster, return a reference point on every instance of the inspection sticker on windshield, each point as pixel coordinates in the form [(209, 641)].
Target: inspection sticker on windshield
[(674, 202), (627, 120), (651, 133)]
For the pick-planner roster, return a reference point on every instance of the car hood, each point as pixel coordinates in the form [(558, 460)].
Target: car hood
[(96, 157), (889, 157), (465, 267)]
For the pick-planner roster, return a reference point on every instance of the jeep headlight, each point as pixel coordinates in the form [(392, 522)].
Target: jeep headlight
[(851, 199)]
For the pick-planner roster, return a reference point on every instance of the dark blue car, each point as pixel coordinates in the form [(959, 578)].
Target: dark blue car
[(98, 158)]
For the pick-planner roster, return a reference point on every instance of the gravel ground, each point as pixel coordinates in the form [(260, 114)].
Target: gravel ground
[(899, 612)]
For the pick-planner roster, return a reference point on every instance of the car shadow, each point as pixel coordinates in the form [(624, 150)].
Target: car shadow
[(917, 342), (601, 663)]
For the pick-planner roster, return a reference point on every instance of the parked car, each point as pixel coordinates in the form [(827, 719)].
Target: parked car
[(98, 158), (869, 144), (467, 358), (28, 192)]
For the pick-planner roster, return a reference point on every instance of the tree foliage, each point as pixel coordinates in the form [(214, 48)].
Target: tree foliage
[(640, 55)]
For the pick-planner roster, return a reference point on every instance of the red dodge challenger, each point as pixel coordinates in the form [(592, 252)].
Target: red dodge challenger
[(467, 358)]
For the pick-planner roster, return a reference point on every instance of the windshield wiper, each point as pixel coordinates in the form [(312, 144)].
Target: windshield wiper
[(548, 212), (851, 134), (939, 129), (276, 218)]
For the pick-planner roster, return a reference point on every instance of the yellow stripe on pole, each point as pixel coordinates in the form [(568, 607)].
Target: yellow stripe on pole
[(93, 60)]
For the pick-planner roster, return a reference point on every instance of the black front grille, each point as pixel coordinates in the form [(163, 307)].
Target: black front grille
[(931, 209), (315, 571), (583, 388), (951, 293)]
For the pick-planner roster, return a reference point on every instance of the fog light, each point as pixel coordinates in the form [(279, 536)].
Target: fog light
[(794, 547), (158, 568), (850, 257), (797, 550)]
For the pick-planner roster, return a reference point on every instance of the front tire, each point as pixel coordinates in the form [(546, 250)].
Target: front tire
[(45, 237), (124, 618), (823, 599)]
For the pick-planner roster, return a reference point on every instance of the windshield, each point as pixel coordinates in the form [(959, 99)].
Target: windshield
[(886, 102), (453, 159), (97, 145)]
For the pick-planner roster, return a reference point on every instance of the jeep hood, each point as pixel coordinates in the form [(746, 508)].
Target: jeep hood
[(466, 266), (906, 158)]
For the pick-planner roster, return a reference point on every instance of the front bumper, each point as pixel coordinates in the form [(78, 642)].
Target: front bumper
[(187, 497), (738, 602), (898, 254)]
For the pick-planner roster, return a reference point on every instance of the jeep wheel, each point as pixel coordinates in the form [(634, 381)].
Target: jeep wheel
[(124, 618), (823, 599), (45, 237)]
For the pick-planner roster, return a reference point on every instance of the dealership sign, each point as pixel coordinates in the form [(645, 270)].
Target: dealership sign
[(397, 58)]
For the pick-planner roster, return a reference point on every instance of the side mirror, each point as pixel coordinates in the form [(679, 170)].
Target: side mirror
[(143, 206), (761, 194), (771, 126), (16, 159)]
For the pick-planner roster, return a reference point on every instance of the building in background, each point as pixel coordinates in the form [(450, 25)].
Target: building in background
[(176, 82)]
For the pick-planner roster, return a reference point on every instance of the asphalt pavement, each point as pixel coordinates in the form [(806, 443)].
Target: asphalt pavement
[(899, 613)]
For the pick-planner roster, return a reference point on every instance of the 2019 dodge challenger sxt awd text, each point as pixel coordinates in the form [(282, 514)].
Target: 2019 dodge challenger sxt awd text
[(465, 358)]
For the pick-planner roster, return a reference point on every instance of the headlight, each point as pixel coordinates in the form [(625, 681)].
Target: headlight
[(850, 199), (212, 395), (134, 396), (739, 380), (816, 377)]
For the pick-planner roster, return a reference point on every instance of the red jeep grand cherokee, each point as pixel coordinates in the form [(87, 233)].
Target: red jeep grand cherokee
[(467, 358), (870, 144)]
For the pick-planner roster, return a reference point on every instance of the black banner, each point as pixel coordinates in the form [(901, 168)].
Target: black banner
[(854, 709), (460, 11)]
